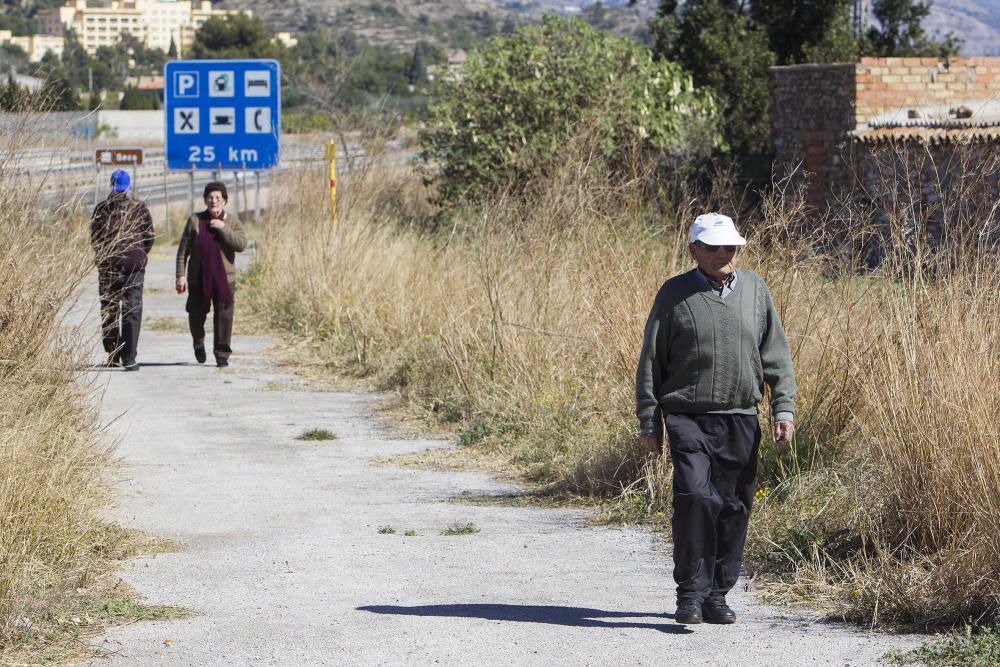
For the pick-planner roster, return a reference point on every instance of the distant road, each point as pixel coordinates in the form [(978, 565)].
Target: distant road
[(67, 176)]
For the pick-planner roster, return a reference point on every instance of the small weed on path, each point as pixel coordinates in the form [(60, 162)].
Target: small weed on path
[(965, 648), (316, 434), (390, 530), (173, 324), (460, 529)]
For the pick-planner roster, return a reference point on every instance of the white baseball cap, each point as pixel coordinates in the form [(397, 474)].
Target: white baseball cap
[(715, 229)]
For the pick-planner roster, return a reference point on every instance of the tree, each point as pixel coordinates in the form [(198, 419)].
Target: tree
[(724, 52), (58, 95), (108, 68), (18, 25), (172, 50), (12, 56), (729, 45), (900, 31), (234, 36), (340, 74), (416, 71), (795, 26), (14, 97), (522, 98), (134, 99), (75, 61), (838, 45), (140, 58)]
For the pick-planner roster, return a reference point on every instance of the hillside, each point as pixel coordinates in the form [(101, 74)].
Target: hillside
[(977, 22), (458, 23), (452, 23)]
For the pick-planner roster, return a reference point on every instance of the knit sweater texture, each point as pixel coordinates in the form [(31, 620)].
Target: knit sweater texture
[(705, 354)]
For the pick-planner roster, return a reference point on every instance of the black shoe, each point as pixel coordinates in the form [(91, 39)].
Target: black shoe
[(688, 612), (199, 353), (221, 363), (134, 366), (717, 611)]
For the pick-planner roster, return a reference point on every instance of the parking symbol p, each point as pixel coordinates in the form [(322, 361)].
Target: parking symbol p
[(186, 84)]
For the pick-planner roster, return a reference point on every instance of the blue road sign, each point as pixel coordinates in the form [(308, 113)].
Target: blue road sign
[(222, 114)]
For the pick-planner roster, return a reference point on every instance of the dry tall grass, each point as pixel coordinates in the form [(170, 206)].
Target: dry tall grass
[(50, 456), (523, 321)]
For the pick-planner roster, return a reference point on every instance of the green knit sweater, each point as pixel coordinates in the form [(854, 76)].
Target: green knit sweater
[(705, 354)]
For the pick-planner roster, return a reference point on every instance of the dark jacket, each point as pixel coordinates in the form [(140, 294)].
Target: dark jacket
[(231, 240), (121, 233)]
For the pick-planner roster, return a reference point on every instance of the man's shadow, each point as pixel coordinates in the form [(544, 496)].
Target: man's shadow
[(577, 617)]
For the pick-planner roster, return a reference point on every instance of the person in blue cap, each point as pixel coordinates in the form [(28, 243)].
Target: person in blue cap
[(121, 233)]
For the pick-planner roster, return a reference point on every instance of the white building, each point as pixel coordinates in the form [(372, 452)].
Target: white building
[(154, 22), (34, 45)]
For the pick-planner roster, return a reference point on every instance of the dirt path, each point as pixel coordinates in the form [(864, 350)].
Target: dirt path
[(283, 562)]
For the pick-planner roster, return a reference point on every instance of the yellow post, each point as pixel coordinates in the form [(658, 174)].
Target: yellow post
[(331, 156)]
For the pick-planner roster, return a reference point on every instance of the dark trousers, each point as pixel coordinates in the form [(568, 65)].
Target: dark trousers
[(715, 467), (121, 312), (197, 308)]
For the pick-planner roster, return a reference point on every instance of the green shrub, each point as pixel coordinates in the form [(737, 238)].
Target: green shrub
[(140, 100), (507, 116)]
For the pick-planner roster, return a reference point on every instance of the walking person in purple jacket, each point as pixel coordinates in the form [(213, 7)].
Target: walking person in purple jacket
[(121, 233), (206, 270), (712, 341)]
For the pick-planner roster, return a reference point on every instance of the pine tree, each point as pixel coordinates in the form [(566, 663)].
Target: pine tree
[(900, 31), (416, 71), (722, 50)]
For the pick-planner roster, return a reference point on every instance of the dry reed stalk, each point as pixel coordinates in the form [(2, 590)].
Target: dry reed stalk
[(51, 458)]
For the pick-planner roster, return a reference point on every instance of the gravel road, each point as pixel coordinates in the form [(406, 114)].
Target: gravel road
[(282, 561)]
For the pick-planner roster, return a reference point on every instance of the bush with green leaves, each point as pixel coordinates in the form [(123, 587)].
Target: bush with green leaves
[(134, 99), (504, 119)]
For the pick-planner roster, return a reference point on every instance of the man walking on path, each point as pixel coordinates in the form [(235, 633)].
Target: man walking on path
[(712, 340), (121, 233)]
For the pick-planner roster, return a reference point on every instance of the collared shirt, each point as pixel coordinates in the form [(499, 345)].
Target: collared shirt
[(723, 290)]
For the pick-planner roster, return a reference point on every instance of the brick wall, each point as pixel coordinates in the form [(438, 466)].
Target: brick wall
[(928, 201), (814, 108), (812, 111), (888, 85)]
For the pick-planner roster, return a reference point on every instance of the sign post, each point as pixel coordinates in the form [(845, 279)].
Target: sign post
[(222, 114), (124, 156), (331, 156), (131, 156)]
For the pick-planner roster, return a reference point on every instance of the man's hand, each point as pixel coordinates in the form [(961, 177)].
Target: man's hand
[(215, 223), (783, 431), (652, 443), (182, 285)]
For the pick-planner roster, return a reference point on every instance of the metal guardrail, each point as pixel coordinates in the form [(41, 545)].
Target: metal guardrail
[(52, 171), (61, 177)]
